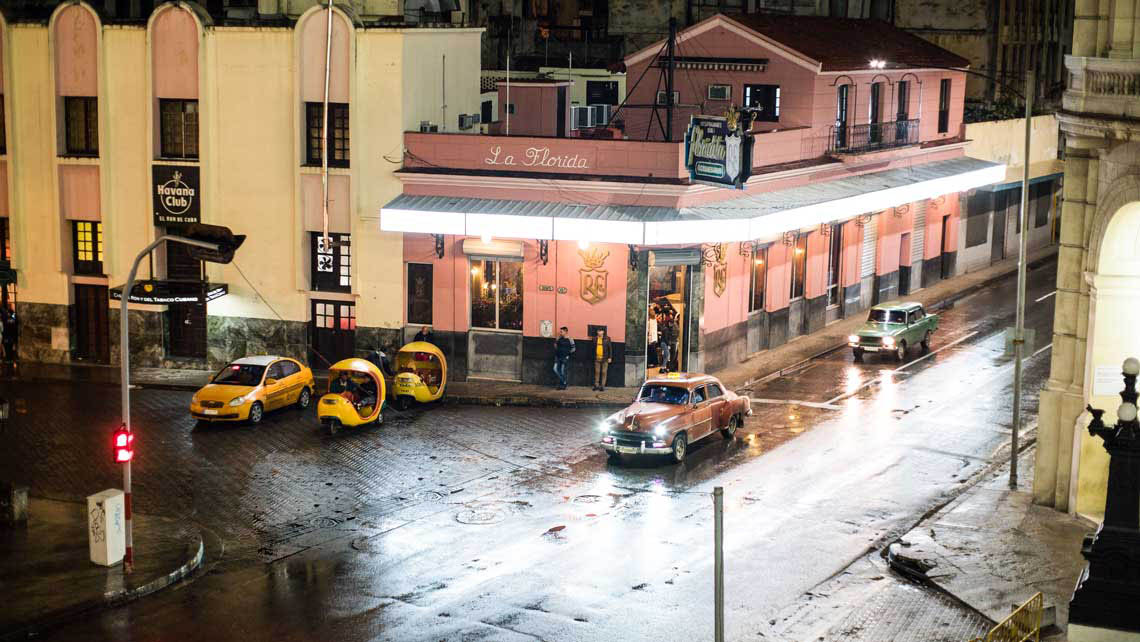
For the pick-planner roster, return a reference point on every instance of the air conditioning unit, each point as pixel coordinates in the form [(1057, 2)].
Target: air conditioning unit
[(581, 117), (661, 98), (467, 121), (602, 114), (426, 127), (720, 92)]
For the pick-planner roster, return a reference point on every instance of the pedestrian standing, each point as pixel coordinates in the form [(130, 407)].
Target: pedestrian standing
[(425, 335), (668, 336), (603, 355), (563, 348)]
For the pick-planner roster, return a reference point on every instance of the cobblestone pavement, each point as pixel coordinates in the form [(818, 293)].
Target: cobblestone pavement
[(259, 487), (900, 612)]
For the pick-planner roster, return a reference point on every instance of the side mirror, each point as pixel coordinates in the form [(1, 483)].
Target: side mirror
[(270, 382)]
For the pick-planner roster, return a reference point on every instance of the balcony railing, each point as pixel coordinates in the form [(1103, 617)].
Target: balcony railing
[(869, 137)]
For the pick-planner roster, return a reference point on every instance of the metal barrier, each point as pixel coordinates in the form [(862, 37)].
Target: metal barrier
[(1022, 625)]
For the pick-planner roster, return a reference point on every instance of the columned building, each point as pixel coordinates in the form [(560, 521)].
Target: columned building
[(1098, 275), (121, 129)]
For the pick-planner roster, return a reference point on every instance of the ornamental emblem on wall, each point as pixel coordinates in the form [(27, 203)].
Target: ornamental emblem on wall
[(720, 269), (593, 277)]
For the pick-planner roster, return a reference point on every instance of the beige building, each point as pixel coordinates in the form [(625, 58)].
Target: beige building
[(1098, 278), (120, 130)]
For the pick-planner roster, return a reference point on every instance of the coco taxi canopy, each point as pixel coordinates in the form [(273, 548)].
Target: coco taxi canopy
[(760, 216)]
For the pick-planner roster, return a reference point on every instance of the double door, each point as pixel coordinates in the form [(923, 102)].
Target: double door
[(92, 329), (332, 332)]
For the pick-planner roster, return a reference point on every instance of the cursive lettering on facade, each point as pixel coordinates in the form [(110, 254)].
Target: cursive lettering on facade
[(536, 157), (704, 145)]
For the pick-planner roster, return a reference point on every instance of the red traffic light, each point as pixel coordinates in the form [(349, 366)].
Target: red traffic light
[(124, 445)]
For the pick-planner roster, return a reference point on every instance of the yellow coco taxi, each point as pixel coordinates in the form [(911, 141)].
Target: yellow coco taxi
[(245, 389)]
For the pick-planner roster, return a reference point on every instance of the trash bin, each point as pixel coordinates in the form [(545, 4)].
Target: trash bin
[(106, 527)]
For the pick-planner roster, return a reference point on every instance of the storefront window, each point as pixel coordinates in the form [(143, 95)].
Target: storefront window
[(759, 274), (496, 295), (799, 264)]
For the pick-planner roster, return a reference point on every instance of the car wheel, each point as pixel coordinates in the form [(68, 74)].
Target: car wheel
[(900, 351), (680, 447), (256, 411), (402, 402), (331, 426), (304, 399), (858, 352), (926, 341), (729, 431)]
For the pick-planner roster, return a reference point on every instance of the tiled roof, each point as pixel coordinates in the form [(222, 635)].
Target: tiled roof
[(846, 44)]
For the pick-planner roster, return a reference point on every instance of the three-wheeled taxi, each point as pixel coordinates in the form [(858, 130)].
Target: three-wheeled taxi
[(355, 396), (421, 373)]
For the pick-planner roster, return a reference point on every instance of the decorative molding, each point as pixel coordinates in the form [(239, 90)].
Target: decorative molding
[(1108, 83)]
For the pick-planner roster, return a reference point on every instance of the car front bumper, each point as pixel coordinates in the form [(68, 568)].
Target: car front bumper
[(225, 413), (636, 450)]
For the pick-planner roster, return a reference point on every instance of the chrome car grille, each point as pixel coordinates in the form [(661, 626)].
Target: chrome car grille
[(632, 438), (212, 404)]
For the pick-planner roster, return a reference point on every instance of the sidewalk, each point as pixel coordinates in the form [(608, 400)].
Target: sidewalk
[(759, 367), (992, 548), (47, 578)]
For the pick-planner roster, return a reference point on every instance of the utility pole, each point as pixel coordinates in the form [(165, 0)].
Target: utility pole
[(669, 80), (1022, 250)]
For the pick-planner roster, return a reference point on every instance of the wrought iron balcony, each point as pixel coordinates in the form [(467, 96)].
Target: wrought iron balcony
[(870, 137)]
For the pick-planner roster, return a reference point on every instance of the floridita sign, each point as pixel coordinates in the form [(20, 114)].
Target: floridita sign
[(717, 152), (536, 157)]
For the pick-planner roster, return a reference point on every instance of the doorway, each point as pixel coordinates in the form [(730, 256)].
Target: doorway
[(904, 264), (947, 254), (997, 239), (92, 329), (332, 330), (667, 317), (185, 322)]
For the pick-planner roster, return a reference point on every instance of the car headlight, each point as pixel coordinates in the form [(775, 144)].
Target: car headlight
[(659, 431), (194, 399), (888, 341), (237, 401), (853, 338)]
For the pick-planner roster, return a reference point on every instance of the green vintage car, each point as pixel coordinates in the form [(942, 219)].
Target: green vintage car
[(893, 328)]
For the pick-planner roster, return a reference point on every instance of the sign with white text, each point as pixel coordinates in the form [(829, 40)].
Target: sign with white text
[(176, 193), (717, 153)]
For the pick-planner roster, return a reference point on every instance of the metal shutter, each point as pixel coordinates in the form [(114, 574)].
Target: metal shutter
[(870, 233), (676, 257), (918, 239)]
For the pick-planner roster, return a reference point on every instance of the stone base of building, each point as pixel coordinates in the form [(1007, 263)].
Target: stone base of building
[(1082, 633), (229, 338)]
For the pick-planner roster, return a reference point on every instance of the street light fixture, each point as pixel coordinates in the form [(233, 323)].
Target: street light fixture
[(1022, 250)]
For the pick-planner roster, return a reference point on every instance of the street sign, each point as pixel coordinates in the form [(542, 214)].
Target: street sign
[(158, 292), (718, 152)]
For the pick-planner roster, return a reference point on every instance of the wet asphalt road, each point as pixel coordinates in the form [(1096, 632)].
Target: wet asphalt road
[(477, 523)]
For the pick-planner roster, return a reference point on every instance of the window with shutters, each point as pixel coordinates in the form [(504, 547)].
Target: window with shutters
[(944, 106), (337, 140), (978, 208), (81, 125), (835, 246), (331, 262), (178, 131), (419, 293), (87, 251)]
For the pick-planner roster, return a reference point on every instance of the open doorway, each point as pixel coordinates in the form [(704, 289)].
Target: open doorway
[(667, 317)]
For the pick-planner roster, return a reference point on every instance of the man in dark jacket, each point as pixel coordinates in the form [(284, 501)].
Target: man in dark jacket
[(563, 348), (425, 335), (603, 355)]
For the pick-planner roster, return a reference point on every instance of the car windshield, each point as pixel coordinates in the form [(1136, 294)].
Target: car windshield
[(887, 316), (240, 374), (664, 394)]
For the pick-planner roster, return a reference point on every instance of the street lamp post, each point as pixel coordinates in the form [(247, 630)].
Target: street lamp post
[(1022, 252)]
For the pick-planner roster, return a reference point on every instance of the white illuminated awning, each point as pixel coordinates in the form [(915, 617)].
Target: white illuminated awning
[(760, 216)]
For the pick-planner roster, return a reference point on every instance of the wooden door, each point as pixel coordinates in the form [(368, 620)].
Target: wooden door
[(332, 332), (92, 329)]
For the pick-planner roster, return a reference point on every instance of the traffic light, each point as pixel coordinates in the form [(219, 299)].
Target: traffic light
[(226, 241), (124, 445)]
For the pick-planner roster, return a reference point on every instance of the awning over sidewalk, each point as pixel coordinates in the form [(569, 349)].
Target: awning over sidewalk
[(166, 292), (760, 216)]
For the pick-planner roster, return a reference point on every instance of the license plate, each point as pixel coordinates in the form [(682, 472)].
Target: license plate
[(209, 412), (628, 450)]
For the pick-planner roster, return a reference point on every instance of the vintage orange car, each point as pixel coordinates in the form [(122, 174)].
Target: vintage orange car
[(672, 412)]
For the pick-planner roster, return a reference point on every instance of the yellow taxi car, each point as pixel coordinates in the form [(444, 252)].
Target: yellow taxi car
[(247, 388)]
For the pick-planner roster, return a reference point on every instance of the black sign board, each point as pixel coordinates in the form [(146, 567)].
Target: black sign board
[(177, 195), (164, 292), (716, 153)]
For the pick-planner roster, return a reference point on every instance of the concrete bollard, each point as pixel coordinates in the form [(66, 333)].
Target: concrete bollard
[(13, 505), (106, 527)]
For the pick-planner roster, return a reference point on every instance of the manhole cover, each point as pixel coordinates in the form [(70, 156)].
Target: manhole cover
[(427, 496), (367, 545), (324, 522), (587, 499)]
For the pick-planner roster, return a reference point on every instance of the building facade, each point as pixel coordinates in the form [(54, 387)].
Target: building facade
[(122, 130), (859, 189), (1098, 275)]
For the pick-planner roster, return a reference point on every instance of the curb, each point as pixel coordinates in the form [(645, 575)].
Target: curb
[(195, 555), (537, 402)]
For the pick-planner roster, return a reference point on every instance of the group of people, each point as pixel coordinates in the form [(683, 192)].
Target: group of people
[(602, 353), (662, 333)]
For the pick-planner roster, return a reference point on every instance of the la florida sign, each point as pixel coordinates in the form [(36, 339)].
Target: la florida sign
[(535, 157)]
